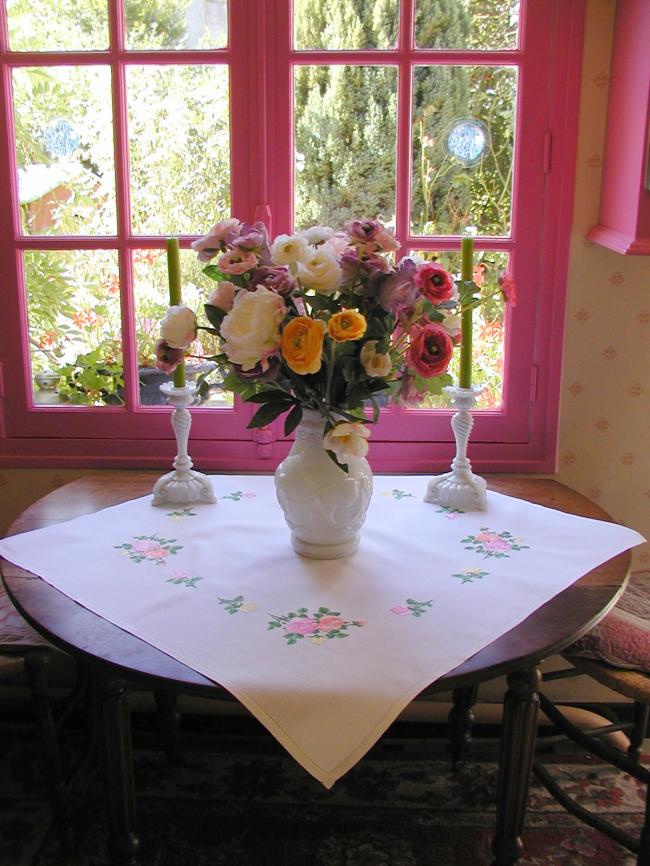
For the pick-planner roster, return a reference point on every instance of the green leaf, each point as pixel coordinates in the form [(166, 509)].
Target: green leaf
[(214, 315), (213, 272), (267, 413), (268, 396), (293, 419), (332, 456)]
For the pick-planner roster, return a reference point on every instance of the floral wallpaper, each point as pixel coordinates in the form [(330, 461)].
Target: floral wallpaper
[(605, 409)]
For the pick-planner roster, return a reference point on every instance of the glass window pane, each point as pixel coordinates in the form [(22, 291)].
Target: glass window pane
[(345, 144), (64, 150), (176, 24), (57, 25), (330, 24), (150, 284), (179, 147), (463, 144), (467, 24), (73, 303), (488, 327)]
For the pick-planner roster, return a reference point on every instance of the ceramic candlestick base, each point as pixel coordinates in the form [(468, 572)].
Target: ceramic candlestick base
[(183, 486), (460, 488)]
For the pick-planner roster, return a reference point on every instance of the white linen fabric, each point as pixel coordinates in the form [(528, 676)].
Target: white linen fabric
[(325, 654)]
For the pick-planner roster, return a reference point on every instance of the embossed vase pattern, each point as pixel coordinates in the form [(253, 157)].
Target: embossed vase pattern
[(324, 506)]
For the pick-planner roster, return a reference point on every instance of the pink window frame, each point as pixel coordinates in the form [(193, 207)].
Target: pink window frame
[(520, 437)]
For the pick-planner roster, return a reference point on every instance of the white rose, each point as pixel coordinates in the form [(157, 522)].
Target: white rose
[(374, 363), (321, 272), (288, 249), (251, 330), (178, 328), (347, 440), (317, 234)]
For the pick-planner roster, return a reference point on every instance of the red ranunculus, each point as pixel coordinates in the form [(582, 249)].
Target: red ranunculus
[(434, 282), (430, 350)]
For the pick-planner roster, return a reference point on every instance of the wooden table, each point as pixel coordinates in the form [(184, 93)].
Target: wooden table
[(116, 657)]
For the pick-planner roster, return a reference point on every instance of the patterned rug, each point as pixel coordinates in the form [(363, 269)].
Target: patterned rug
[(239, 800)]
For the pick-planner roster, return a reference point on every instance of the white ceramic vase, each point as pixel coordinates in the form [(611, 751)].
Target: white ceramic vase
[(324, 506)]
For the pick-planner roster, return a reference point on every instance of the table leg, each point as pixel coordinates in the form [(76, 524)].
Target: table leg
[(461, 719), (114, 735), (520, 708)]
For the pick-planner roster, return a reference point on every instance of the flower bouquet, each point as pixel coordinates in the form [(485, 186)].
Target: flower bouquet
[(321, 321), (319, 326)]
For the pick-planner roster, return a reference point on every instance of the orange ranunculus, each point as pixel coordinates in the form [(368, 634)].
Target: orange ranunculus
[(347, 325), (302, 344)]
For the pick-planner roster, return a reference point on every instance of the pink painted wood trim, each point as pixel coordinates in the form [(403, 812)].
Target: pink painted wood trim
[(624, 223), (620, 242)]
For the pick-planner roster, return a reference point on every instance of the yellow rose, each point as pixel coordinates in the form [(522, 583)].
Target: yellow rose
[(347, 325), (302, 344)]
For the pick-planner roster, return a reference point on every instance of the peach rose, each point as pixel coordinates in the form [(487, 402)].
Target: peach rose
[(373, 362), (347, 440), (347, 325), (302, 344), (223, 296)]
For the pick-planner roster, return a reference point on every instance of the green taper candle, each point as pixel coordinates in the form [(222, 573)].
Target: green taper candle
[(175, 298), (466, 275)]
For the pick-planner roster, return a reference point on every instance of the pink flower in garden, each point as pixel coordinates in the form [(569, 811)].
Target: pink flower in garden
[(167, 357), (434, 282), (237, 262), (400, 610), (430, 350), (330, 623), (223, 233), (508, 288), (301, 625)]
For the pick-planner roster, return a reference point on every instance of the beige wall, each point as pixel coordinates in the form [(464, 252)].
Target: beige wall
[(605, 410), (604, 449)]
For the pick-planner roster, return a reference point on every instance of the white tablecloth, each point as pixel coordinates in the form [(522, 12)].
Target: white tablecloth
[(324, 654)]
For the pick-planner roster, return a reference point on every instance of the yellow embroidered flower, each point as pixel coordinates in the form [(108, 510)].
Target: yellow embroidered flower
[(302, 344), (248, 607), (347, 325)]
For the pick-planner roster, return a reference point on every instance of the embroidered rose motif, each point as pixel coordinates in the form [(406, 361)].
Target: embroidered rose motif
[(184, 578), (237, 605), (489, 543), (319, 627), (468, 575), (412, 608), (149, 548)]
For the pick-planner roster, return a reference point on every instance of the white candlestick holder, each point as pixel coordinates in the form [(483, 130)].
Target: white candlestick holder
[(183, 486), (460, 488)]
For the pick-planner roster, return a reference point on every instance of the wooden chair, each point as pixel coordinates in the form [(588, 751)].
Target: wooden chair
[(616, 654)]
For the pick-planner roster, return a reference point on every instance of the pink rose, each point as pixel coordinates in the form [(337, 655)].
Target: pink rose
[(330, 623), (237, 262), (223, 295), (485, 536), (220, 235), (430, 350), (434, 282), (301, 625), (400, 610)]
